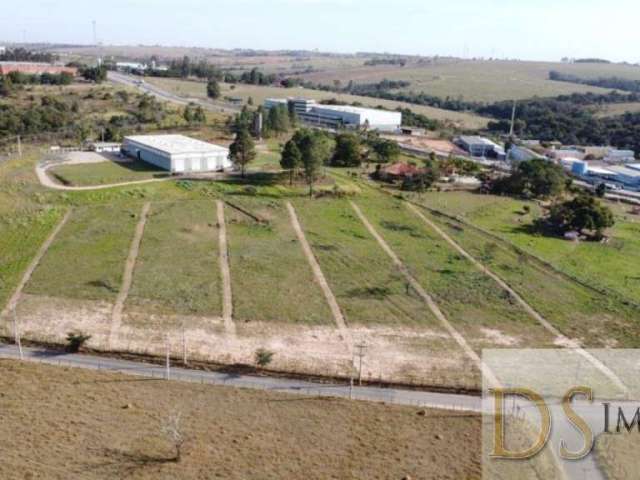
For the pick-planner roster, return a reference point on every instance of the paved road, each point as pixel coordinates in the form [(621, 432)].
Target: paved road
[(293, 386), (140, 84)]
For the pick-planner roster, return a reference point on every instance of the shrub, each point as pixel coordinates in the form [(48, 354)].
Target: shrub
[(263, 357), (75, 341)]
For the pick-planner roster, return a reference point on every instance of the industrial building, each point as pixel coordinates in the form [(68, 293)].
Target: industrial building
[(522, 154), (32, 68), (177, 153), (480, 147), (339, 116), (624, 175)]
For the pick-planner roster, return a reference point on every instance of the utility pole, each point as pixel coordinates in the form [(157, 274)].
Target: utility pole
[(168, 361), (513, 119), (184, 346), (19, 147), (16, 333), (361, 353)]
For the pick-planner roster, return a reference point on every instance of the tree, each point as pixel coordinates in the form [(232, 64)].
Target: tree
[(311, 150), (242, 151), (583, 212), (172, 429), (537, 178), (213, 89), (348, 151), (601, 190), (386, 150), (75, 341), (6, 87), (94, 74), (291, 158)]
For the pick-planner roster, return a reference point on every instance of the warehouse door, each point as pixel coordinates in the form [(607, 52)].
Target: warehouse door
[(203, 164), (187, 164)]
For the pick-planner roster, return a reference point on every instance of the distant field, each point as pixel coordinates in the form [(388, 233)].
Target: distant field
[(105, 173), (87, 258), (484, 81), (259, 93), (615, 109)]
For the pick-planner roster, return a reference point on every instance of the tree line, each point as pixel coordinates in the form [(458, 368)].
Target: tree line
[(23, 55), (604, 82)]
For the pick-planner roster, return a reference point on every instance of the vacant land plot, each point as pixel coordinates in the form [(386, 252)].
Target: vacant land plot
[(20, 240), (259, 93), (612, 265), (271, 278), (105, 172), (615, 109), (578, 312), (87, 258), (476, 305), (177, 269), (231, 433), (484, 81)]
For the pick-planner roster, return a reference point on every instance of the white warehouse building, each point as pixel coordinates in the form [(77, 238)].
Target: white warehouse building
[(339, 116), (177, 153)]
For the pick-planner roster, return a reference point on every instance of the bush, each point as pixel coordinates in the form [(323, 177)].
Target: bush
[(263, 357), (75, 341)]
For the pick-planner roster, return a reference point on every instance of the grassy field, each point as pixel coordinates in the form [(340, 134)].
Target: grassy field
[(612, 265), (87, 258), (19, 242), (368, 287), (485, 81), (105, 173), (474, 304), (270, 275), (92, 425), (598, 320), (615, 109), (177, 268), (259, 93)]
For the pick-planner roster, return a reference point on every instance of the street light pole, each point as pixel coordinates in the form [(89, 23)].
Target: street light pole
[(16, 333), (361, 352)]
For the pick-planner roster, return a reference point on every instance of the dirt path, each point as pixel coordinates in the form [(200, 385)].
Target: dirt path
[(320, 278), (15, 298), (227, 298), (460, 340), (127, 278), (47, 181), (564, 340)]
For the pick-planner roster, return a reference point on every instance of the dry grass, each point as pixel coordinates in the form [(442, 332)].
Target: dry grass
[(67, 423)]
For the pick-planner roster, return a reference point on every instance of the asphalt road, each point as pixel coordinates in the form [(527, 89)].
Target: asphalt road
[(278, 384), (140, 84)]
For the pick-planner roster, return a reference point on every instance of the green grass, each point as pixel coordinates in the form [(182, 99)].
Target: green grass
[(87, 258), (105, 173), (613, 265), (177, 269), (472, 302), (271, 278), (19, 241), (369, 288), (579, 312)]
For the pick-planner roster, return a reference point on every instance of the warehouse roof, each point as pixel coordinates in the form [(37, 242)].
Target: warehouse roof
[(176, 144), (350, 109)]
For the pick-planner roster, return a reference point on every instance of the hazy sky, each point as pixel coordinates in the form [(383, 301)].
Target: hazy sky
[(527, 29)]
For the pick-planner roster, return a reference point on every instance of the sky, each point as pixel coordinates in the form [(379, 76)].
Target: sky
[(524, 29)]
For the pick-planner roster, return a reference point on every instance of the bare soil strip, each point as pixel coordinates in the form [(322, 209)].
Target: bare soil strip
[(570, 343), (116, 314), (227, 298), (320, 278), (488, 374), (15, 298)]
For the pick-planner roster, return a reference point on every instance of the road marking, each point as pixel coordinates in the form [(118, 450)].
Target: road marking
[(573, 344), (321, 279), (127, 277), (15, 298), (460, 340), (225, 271)]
